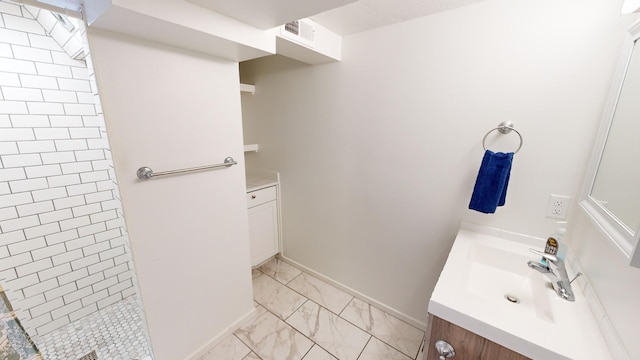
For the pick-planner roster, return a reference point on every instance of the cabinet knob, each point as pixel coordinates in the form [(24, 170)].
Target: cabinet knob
[(253, 196), (445, 350)]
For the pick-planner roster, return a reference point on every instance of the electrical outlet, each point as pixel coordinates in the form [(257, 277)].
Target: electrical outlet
[(558, 206)]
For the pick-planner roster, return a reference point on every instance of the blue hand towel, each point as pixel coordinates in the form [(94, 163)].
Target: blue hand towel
[(490, 189)]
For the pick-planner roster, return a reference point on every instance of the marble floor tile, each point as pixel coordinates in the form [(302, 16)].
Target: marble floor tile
[(377, 350), (251, 356), (321, 292), (318, 353), (280, 270), (271, 338), (385, 327), (231, 348), (332, 333), (275, 296)]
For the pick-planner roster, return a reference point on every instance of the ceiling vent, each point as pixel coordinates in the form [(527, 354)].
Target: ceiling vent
[(300, 31)]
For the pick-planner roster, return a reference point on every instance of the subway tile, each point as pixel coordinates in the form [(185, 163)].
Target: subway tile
[(69, 202), (79, 294), (85, 97), (12, 174), (23, 24), (102, 164), (93, 121), (86, 210), (106, 185), (52, 325), (5, 50), (22, 94), (35, 208), (101, 285), (11, 213), (43, 42), (28, 185), (74, 223), (53, 69), (92, 229), (73, 275), (48, 21), (119, 241), (42, 170), (59, 96), (14, 37), (66, 257), (110, 254), (117, 270), (38, 146), (62, 236), (66, 309), (16, 134), (64, 59), (80, 109), (60, 291), (76, 167), (125, 275), (32, 301), (4, 188), (30, 12), (41, 230), (31, 54), (82, 313), (15, 261), (95, 248), (65, 121), (98, 196), (8, 274), (103, 216), (33, 267), (54, 216), (46, 307), (21, 160), (20, 67), (81, 242), (80, 73), (13, 107), (8, 148), (120, 287), (86, 155), (111, 204), (9, 8), (101, 266), (58, 157), (64, 180), (74, 48), (109, 301), (5, 121), (85, 133), (49, 194), (40, 320), (9, 79), (69, 145), (107, 235), (94, 176), (130, 292), (15, 199), (19, 223), (95, 297), (23, 282), (45, 109), (101, 143), (37, 81), (81, 189), (54, 272), (87, 261), (74, 85)]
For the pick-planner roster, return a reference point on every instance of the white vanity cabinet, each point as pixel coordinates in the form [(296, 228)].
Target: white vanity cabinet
[(264, 224)]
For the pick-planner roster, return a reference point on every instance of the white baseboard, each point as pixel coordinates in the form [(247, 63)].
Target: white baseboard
[(389, 310), (217, 339)]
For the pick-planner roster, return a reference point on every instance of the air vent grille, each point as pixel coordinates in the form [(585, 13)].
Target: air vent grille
[(300, 30), (90, 356)]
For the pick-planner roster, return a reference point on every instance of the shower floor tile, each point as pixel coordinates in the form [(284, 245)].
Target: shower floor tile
[(320, 322), (115, 333)]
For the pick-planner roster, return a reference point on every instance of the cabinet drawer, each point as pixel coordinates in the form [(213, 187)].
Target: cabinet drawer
[(262, 196)]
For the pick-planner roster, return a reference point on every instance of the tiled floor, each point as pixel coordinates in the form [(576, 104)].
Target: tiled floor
[(115, 333), (301, 317)]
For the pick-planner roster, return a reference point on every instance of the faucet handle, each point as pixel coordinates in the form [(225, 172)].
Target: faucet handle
[(553, 258)]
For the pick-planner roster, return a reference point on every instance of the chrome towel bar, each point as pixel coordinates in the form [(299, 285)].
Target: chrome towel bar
[(145, 172)]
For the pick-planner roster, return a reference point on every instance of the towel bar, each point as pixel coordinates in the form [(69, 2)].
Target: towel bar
[(145, 172), (504, 127)]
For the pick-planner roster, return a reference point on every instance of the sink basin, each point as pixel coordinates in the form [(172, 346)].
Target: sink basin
[(503, 278), (486, 287)]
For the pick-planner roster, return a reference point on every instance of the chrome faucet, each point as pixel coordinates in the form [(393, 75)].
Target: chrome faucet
[(556, 272)]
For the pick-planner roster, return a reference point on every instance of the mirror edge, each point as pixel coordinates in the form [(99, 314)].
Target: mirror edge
[(617, 232)]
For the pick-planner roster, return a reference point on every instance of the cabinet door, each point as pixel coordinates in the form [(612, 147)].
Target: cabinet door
[(263, 231)]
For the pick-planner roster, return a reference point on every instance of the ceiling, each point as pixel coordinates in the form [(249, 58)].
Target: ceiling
[(365, 15)]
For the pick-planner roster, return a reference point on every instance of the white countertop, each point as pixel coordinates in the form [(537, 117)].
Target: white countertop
[(260, 179), (470, 294)]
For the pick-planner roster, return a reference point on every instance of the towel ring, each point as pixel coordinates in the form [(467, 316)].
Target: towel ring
[(504, 127)]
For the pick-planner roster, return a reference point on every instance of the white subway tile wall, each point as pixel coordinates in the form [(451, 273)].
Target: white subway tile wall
[(64, 250)]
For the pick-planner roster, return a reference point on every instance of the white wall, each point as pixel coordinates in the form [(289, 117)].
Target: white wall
[(63, 244), (168, 108), (379, 153)]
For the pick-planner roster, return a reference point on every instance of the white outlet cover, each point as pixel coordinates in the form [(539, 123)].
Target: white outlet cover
[(558, 206)]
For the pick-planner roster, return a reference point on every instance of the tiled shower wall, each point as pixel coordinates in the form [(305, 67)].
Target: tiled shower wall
[(63, 247)]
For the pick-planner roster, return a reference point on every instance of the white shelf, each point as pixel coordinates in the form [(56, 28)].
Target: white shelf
[(248, 88), (251, 147)]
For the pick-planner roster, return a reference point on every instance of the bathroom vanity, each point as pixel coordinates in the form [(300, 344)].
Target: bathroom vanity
[(263, 203), (488, 304)]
